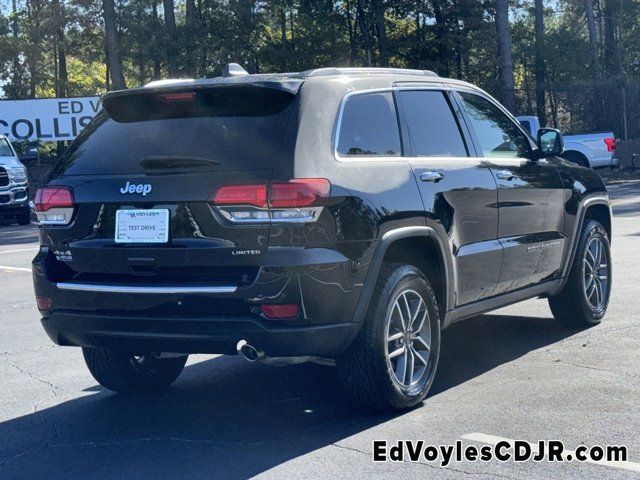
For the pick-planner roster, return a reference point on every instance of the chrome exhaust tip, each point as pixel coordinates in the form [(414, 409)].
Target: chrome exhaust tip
[(249, 352)]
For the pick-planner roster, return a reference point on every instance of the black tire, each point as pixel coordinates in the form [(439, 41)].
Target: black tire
[(576, 158), (127, 373), (573, 306), (365, 369), (24, 217)]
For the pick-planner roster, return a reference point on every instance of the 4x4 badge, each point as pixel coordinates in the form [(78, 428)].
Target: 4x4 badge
[(143, 188)]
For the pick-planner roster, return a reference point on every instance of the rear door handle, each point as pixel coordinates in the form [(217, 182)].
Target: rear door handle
[(431, 176), (506, 175)]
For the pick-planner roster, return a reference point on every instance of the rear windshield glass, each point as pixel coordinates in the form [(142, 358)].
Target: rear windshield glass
[(215, 129)]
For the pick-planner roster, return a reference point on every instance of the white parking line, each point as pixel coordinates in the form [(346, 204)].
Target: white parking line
[(15, 231), (493, 440), (15, 269), (19, 250)]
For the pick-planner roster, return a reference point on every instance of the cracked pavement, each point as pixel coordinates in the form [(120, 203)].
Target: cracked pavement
[(513, 373)]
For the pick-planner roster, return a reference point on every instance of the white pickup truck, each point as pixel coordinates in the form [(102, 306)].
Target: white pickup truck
[(589, 150), (14, 200)]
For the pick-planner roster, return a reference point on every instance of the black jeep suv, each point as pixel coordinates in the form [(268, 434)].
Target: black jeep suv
[(336, 214)]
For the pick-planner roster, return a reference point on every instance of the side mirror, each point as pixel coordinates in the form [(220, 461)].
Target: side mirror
[(550, 143)]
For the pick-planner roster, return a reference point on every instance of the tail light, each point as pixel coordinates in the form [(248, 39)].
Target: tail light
[(611, 144), (254, 195), (289, 310), (177, 97), (44, 303), (298, 192), (297, 200), (54, 205)]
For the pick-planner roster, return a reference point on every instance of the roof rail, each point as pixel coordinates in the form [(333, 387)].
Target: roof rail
[(322, 72)]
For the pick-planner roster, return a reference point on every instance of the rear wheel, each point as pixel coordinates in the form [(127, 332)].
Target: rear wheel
[(577, 158), (125, 372), (584, 299), (392, 362)]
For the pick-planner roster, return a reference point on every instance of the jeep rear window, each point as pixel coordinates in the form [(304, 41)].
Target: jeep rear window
[(229, 128), (369, 126)]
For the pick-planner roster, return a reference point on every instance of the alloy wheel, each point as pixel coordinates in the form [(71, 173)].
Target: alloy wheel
[(595, 272), (408, 340)]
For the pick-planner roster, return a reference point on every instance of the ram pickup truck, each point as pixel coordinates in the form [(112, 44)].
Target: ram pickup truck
[(594, 150), (334, 215), (14, 199)]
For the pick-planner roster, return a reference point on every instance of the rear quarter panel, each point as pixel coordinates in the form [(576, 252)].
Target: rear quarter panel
[(369, 197)]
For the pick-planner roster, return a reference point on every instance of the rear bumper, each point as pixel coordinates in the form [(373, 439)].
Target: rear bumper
[(212, 318), (202, 335)]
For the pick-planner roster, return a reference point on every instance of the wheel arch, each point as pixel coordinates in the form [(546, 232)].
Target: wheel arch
[(578, 150), (602, 213), (418, 246), (596, 207)]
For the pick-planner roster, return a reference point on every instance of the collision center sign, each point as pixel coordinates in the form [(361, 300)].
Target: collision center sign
[(47, 119)]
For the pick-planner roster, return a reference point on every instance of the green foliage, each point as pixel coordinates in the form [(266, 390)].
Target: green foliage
[(453, 37)]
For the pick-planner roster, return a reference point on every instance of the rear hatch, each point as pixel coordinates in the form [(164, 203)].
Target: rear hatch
[(143, 176)]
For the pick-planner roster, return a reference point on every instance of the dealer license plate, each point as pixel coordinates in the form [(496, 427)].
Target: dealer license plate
[(142, 226)]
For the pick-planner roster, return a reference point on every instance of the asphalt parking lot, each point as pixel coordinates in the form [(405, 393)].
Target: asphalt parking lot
[(513, 373)]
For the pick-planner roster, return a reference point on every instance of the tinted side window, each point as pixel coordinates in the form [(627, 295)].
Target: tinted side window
[(497, 134), (432, 127), (369, 126)]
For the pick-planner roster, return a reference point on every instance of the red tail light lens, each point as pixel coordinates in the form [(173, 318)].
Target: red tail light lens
[(53, 197), (280, 311), (44, 303), (255, 195), (611, 144), (291, 201), (54, 205), (298, 193), (177, 97)]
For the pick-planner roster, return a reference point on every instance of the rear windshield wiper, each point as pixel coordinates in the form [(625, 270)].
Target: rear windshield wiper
[(162, 162)]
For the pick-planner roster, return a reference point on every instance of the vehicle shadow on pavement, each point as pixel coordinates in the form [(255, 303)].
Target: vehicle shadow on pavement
[(477, 345), (226, 418)]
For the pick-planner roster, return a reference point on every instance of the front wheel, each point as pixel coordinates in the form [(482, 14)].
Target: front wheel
[(392, 362), (130, 373), (584, 299)]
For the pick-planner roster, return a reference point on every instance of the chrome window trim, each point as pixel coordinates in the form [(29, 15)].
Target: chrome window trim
[(482, 94), (162, 290), (401, 86), (338, 127)]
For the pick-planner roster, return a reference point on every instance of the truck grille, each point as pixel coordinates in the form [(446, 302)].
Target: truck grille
[(20, 195), (4, 198), (4, 177)]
